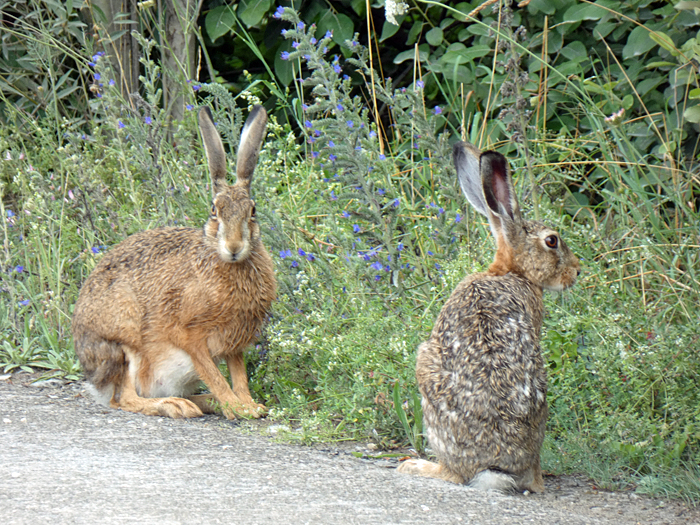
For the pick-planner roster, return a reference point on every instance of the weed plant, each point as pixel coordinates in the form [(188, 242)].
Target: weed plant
[(370, 235)]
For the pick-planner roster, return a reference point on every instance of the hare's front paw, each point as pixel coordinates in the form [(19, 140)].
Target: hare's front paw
[(177, 408), (244, 410)]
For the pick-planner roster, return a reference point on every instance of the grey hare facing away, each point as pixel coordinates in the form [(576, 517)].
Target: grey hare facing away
[(165, 305), (481, 373)]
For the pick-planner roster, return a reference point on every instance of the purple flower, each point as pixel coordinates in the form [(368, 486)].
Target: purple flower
[(285, 253), (304, 107), (340, 107), (372, 134), (295, 45), (295, 264), (148, 120), (350, 123), (334, 197), (313, 41), (437, 110), (458, 218), (24, 303), (19, 269), (307, 123), (345, 214), (430, 253), (441, 211), (285, 55), (381, 191), (189, 107), (382, 156), (301, 252), (400, 247), (387, 268), (10, 213), (111, 82), (120, 124), (331, 144), (279, 12), (329, 34), (196, 87), (310, 257), (355, 228), (332, 157), (337, 69), (420, 84), (396, 203), (377, 265), (301, 26), (377, 277), (98, 76), (284, 32), (314, 154)]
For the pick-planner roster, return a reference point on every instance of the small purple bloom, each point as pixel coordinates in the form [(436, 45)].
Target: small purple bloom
[(304, 107), (196, 87), (345, 214), (285, 55), (301, 26), (98, 76), (430, 253), (381, 191), (350, 123), (355, 228), (189, 107), (295, 45), (377, 277), (331, 144), (400, 247), (337, 69), (458, 218), (285, 253), (111, 82), (441, 211), (120, 124), (279, 12), (314, 154), (24, 303), (334, 197), (295, 264), (10, 213), (329, 34), (377, 265), (382, 156), (301, 252), (313, 41), (396, 203), (284, 32), (332, 157), (387, 268), (437, 110), (420, 84), (340, 107), (310, 257), (148, 120), (19, 269), (372, 134), (308, 124)]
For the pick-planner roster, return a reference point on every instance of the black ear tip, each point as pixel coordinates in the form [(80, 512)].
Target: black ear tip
[(458, 151), (495, 160)]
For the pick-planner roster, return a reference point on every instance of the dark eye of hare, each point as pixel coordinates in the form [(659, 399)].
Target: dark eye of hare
[(252, 211), (213, 210), (551, 241)]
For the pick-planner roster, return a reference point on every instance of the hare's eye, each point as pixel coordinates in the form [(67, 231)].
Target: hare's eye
[(551, 241), (213, 210), (252, 211)]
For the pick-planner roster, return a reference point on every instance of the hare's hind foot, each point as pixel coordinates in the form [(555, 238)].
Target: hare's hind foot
[(428, 469), (208, 404), (532, 479), (174, 407)]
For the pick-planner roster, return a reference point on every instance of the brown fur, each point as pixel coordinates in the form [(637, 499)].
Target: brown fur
[(481, 373), (165, 305)]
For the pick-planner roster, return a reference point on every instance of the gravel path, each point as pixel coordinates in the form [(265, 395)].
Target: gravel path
[(64, 459)]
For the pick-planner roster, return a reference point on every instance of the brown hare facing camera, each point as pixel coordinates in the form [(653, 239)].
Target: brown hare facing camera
[(165, 305), (481, 373)]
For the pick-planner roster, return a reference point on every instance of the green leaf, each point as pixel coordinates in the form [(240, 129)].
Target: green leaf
[(638, 43), (251, 12), (694, 94), (340, 24), (627, 101), (409, 55), (664, 41), (581, 12), (434, 36), (219, 21), (687, 5), (692, 114), (389, 29), (414, 33)]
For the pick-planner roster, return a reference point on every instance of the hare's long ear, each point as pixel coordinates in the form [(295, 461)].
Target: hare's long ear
[(252, 137), (466, 160), (216, 156), (500, 197)]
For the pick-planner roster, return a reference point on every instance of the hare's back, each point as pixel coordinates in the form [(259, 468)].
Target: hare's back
[(487, 335)]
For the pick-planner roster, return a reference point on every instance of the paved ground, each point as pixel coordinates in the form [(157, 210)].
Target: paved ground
[(64, 459)]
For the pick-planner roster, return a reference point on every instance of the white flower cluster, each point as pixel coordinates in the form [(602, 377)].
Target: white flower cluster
[(392, 8)]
